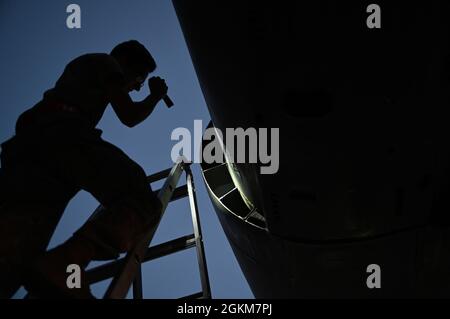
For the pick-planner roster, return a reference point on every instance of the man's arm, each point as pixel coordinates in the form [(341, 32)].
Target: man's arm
[(131, 113)]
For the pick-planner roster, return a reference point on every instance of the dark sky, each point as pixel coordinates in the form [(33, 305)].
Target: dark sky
[(36, 47)]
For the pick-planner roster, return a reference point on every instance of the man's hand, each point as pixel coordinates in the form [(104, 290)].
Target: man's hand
[(158, 87), (132, 113)]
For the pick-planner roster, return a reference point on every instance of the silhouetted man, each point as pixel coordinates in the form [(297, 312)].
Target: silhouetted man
[(56, 152)]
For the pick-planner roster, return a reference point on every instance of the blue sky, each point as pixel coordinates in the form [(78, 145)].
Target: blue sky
[(36, 47)]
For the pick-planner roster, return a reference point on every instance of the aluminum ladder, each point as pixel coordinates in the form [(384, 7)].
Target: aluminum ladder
[(126, 271)]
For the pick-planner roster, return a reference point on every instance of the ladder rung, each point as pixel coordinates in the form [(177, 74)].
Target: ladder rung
[(110, 269), (179, 192), (170, 247), (158, 176), (197, 295)]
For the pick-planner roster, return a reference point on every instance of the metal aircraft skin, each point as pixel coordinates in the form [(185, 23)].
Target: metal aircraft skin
[(363, 149)]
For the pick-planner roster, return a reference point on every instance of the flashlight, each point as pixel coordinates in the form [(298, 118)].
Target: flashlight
[(168, 101)]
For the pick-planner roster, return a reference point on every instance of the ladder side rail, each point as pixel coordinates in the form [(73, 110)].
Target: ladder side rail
[(206, 287)]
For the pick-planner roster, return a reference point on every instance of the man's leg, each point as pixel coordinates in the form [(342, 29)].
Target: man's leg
[(31, 204), (131, 206), (120, 185)]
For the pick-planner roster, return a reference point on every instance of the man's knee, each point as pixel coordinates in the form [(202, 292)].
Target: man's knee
[(116, 229)]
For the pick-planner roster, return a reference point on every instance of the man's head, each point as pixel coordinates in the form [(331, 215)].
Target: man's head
[(136, 62)]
